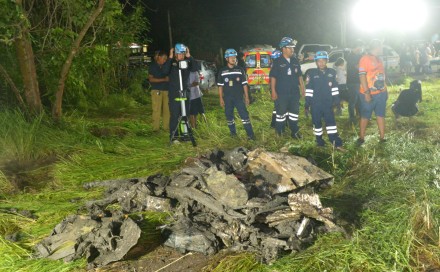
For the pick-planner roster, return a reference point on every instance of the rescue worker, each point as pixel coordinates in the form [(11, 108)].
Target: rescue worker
[(232, 88), (286, 84), (406, 103), (177, 54), (275, 54), (373, 90), (321, 94)]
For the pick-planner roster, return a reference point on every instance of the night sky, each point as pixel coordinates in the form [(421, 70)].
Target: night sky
[(206, 26)]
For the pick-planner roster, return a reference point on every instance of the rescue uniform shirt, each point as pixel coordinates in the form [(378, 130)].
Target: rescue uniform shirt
[(372, 67), (232, 80), (353, 68), (321, 88), (287, 76), (171, 67), (158, 72)]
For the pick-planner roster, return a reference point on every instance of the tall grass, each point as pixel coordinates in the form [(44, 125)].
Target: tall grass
[(18, 136), (386, 196)]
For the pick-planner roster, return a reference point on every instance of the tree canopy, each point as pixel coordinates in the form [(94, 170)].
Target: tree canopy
[(61, 44)]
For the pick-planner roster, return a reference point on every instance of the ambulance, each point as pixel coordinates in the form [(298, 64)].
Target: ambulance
[(258, 63)]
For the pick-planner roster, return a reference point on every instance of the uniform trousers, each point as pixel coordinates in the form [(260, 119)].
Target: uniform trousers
[(326, 113), (238, 103), (287, 108), (353, 103)]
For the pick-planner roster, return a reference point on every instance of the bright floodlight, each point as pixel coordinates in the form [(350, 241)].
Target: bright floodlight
[(400, 15)]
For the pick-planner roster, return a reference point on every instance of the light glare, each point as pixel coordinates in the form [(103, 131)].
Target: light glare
[(400, 15)]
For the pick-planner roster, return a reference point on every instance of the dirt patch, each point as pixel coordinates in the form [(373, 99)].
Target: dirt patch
[(161, 259), (28, 175)]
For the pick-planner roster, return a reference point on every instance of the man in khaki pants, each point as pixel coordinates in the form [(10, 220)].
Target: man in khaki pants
[(159, 91)]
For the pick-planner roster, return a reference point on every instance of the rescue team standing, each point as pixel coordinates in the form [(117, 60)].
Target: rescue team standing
[(321, 95), (232, 88), (287, 86)]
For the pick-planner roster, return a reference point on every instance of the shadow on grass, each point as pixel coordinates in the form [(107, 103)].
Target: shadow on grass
[(347, 210)]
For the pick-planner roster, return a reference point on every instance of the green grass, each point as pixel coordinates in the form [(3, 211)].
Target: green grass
[(386, 196)]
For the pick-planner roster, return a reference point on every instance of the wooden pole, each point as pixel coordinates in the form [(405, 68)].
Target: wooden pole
[(169, 30)]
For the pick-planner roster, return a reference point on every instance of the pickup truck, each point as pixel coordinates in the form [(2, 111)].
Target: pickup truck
[(334, 54)]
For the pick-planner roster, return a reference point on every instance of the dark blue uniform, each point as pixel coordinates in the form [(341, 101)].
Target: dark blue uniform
[(171, 67), (287, 87), (353, 83), (232, 80), (321, 94)]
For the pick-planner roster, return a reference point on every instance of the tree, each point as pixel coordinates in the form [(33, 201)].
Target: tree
[(25, 57), (56, 109), (47, 35)]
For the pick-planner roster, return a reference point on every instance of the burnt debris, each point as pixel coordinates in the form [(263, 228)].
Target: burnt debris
[(237, 200)]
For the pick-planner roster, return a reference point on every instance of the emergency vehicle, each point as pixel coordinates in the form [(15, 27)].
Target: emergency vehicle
[(258, 63), (138, 55)]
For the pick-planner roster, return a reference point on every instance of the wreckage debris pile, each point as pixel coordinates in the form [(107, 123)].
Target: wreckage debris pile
[(238, 200)]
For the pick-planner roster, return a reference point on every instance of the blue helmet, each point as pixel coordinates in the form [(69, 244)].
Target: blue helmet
[(230, 53), (180, 48), (287, 42), (275, 54), (321, 55)]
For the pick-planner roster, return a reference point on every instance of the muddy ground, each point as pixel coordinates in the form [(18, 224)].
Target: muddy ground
[(162, 259)]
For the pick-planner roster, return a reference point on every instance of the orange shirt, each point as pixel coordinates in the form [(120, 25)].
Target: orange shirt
[(372, 67)]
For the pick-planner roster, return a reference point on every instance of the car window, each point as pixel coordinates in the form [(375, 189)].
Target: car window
[(211, 66), (314, 48), (264, 60), (333, 57), (251, 61)]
